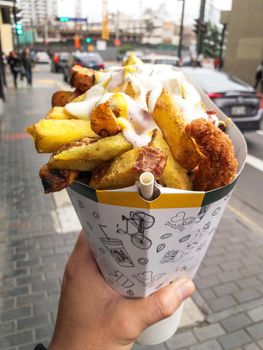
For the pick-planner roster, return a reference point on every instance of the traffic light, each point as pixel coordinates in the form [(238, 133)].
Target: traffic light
[(19, 28), (199, 26), (88, 40)]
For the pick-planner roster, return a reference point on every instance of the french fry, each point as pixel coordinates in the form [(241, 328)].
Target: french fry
[(87, 154), (103, 121), (82, 78), (126, 169), (174, 175), (59, 113), (51, 134), (168, 117), (55, 180), (131, 90)]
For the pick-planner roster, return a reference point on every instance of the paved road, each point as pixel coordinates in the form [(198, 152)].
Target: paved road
[(32, 256)]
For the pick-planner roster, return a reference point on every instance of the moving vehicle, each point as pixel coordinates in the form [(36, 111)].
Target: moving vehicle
[(58, 62), (234, 97), (85, 59), (42, 57), (161, 59)]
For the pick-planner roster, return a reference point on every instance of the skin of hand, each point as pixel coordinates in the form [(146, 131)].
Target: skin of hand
[(92, 315)]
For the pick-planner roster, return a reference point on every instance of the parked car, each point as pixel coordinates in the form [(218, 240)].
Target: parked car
[(42, 57), (85, 59), (233, 96), (59, 60), (161, 59)]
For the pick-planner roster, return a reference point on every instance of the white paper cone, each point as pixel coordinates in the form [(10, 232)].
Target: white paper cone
[(161, 331)]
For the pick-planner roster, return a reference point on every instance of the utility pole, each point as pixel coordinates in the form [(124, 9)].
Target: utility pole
[(200, 37), (179, 54), (222, 42)]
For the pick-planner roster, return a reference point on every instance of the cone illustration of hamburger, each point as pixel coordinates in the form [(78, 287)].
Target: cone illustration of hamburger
[(148, 169)]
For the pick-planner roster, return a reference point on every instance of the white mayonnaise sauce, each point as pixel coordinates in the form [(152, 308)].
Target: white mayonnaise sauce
[(153, 97)]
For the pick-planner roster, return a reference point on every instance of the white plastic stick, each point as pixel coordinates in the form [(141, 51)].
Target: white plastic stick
[(146, 185)]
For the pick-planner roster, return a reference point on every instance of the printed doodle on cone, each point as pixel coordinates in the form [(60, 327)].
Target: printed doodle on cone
[(179, 221), (116, 248), (140, 222)]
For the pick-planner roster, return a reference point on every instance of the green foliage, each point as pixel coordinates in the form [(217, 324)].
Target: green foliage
[(212, 38), (125, 47)]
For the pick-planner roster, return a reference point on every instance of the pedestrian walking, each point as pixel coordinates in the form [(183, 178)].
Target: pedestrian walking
[(27, 65), (259, 76), (15, 66)]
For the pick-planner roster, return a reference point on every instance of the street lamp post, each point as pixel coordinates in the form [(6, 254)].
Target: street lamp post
[(179, 53)]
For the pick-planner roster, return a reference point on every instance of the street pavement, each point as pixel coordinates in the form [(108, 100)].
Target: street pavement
[(35, 243)]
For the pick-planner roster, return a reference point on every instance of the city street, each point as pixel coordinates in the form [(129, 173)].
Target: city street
[(38, 231)]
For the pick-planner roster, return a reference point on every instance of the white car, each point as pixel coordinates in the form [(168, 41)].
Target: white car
[(42, 57), (161, 59)]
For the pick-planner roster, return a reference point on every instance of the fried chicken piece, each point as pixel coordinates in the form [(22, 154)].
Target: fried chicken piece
[(82, 78), (55, 180), (219, 166), (61, 98)]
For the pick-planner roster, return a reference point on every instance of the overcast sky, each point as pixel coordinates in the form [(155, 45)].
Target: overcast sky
[(93, 9)]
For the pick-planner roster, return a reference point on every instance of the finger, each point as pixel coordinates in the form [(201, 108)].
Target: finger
[(162, 303)]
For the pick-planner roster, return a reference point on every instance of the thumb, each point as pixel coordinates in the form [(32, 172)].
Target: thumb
[(162, 303)]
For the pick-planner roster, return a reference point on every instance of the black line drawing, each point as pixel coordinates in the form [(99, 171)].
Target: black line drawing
[(96, 214), (166, 235), (169, 256), (184, 239), (143, 261), (160, 247), (130, 293), (159, 286), (227, 197), (102, 251), (181, 268), (117, 276), (147, 278), (177, 254), (116, 248), (207, 225), (201, 246), (203, 210), (81, 204), (216, 211), (89, 224), (141, 221), (179, 221)]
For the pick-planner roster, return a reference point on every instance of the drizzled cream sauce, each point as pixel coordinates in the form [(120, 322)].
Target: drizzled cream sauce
[(135, 117)]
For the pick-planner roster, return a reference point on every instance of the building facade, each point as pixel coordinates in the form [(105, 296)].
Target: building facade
[(244, 50)]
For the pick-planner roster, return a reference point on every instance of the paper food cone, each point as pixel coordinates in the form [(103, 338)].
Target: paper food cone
[(141, 246)]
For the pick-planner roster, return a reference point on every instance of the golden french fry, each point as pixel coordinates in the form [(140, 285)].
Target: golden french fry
[(126, 169), (87, 154), (174, 175), (51, 134), (168, 117), (131, 90), (103, 121), (59, 113), (55, 180), (132, 60)]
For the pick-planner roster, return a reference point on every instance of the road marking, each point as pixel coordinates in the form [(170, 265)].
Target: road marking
[(245, 218), (259, 132), (255, 162), (63, 86)]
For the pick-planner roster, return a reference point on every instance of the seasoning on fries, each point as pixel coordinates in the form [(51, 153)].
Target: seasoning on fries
[(122, 121)]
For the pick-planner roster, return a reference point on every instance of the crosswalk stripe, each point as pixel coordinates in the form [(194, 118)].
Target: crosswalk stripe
[(255, 162)]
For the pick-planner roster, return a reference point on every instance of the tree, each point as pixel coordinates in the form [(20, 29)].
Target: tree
[(211, 44)]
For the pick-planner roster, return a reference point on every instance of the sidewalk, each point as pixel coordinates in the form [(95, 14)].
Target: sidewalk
[(34, 247)]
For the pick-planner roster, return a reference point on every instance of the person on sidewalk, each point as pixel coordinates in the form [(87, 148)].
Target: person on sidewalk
[(259, 76), (27, 65), (91, 315), (15, 66)]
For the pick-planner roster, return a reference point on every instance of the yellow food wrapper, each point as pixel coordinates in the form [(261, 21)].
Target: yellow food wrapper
[(141, 246)]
